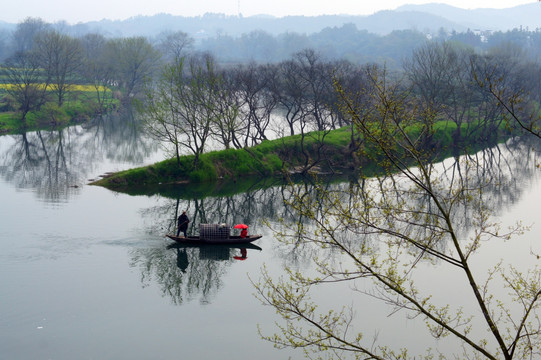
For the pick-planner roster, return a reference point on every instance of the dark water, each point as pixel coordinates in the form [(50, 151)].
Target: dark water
[(86, 273)]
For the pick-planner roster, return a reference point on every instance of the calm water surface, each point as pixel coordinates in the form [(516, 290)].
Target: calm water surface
[(86, 273)]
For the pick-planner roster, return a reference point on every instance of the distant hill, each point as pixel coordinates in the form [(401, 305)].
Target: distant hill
[(211, 25), (429, 18), (4, 26), (528, 15)]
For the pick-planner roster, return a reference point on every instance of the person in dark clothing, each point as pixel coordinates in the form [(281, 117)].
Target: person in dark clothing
[(183, 221)]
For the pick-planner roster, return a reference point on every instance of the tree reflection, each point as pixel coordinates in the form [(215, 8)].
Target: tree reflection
[(188, 272), (508, 164), (394, 227), (56, 163), (502, 171), (42, 160), (185, 273)]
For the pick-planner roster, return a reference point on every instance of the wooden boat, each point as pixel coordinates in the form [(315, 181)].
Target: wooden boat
[(198, 244), (232, 239)]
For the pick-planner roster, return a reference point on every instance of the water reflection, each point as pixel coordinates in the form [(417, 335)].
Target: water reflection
[(183, 272), (503, 174), (57, 163), (188, 272), (118, 137)]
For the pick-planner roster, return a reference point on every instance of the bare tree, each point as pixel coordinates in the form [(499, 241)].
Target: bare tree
[(507, 78), (252, 86), (97, 68), (227, 126), (24, 35), (182, 107), (26, 84), (174, 45), (289, 92), (198, 105), (315, 77), (61, 56)]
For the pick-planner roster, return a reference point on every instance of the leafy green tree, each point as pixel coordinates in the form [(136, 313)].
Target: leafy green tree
[(135, 60), (51, 114), (387, 230)]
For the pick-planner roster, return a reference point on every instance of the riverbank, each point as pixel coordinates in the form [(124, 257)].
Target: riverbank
[(53, 117), (266, 159), (313, 153)]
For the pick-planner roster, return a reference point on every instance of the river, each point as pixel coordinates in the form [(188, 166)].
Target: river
[(87, 273)]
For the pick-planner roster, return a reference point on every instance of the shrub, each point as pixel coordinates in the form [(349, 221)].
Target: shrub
[(52, 114)]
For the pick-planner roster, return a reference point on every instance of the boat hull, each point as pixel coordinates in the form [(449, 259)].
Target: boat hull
[(189, 245), (233, 239)]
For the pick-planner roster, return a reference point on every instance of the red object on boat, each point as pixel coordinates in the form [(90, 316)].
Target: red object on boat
[(240, 226)]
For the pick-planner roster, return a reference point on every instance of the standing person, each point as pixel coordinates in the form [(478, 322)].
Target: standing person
[(243, 233), (183, 221)]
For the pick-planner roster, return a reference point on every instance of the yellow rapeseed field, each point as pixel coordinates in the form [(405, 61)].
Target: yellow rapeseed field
[(81, 88)]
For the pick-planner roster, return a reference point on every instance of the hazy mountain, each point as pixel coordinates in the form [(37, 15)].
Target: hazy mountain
[(6, 26), (429, 18), (211, 25), (528, 15), (384, 22)]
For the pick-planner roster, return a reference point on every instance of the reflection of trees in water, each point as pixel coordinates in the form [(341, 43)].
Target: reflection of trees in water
[(185, 273), (42, 160), (56, 162), (196, 272), (251, 207), (502, 172), (118, 137)]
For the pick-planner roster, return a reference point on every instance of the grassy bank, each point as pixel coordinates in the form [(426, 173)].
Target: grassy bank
[(82, 105), (274, 158)]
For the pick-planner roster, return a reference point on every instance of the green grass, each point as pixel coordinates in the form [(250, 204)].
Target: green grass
[(8, 123), (226, 164), (80, 105), (71, 113)]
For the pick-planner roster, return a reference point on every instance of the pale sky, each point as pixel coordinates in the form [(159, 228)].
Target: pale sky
[(74, 11)]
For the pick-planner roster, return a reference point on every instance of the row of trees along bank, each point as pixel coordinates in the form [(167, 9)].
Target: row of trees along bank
[(194, 101), (48, 69), (43, 65)]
